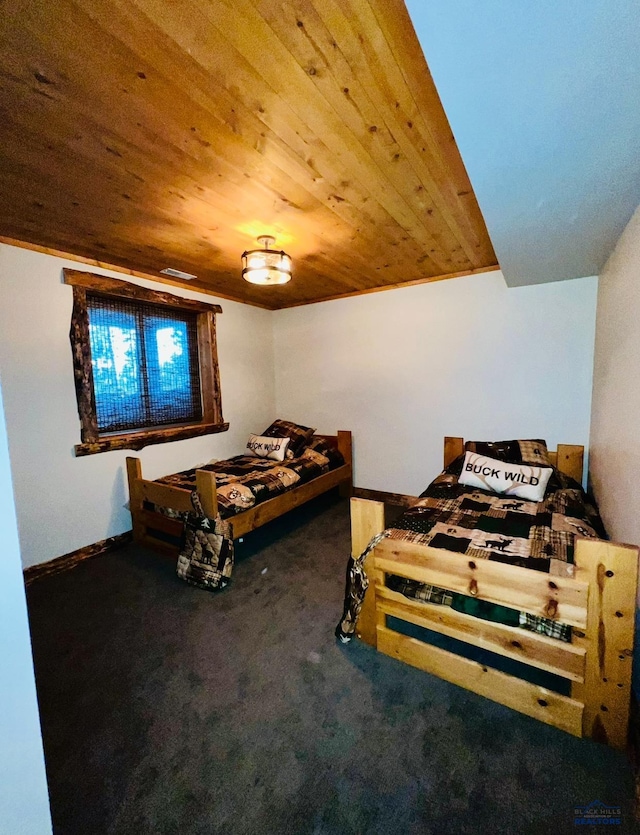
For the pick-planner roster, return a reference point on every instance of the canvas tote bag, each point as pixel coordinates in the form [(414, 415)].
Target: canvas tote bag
[(206, 558)]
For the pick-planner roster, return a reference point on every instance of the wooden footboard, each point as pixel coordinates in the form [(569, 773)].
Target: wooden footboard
[(598, 602), (147, 524)]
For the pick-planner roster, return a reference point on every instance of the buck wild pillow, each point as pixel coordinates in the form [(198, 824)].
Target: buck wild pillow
[(299, 435), (265, 447), (521, 480)]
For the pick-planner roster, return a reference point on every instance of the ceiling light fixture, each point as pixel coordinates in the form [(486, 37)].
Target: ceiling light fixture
[(266, 266)]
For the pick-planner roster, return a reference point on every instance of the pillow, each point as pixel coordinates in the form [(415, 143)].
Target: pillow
[(265, 447), (299, 436), (521, 480), (336, 459), (532, 451)]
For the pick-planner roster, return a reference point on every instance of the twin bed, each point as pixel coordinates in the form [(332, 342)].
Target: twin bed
[(247, 490), (452, 592), (451, 586)]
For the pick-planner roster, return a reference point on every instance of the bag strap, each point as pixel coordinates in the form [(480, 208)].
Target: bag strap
[(197, 504)]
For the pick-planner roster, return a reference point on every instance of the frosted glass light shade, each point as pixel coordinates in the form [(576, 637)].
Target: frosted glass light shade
[(266, 266)]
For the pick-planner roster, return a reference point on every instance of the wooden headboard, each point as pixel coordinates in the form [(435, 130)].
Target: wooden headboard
[(568, 458)]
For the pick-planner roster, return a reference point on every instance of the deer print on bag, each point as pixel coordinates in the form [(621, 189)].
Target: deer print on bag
[(512, 506)]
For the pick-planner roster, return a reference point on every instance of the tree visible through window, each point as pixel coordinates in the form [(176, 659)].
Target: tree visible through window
[(145, 365)]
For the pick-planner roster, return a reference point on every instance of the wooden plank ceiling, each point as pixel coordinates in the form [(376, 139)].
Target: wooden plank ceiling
[(151, 134)]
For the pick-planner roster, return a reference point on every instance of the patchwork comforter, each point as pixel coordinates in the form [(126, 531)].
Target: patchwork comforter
[(246, 480), (485, 525)]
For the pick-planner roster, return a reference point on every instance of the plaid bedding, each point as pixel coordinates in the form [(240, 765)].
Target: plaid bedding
[(245, 481), (485, 525), (299, 436)]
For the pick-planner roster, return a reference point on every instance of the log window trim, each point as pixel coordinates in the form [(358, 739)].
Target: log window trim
[(92, 440)]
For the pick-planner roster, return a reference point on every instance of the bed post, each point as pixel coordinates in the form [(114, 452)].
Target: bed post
[(345, 446), (367, 519), (570, 461), (134, 477), (453, 447), (206, 487), (611, 571)]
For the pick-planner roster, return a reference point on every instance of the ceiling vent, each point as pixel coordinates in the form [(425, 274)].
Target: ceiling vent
[(178, 274)]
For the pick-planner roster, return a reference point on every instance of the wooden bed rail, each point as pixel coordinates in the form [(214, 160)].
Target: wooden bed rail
[(599, 603), (611, 571), (141, 491), (535, 592)]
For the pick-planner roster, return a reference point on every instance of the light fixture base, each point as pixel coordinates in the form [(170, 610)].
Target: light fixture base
[(267, 241)]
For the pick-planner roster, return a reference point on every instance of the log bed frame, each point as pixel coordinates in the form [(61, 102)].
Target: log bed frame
[(146, 523), (598, 602)]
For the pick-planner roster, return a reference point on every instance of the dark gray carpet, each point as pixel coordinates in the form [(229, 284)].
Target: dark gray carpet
[(167, 709)]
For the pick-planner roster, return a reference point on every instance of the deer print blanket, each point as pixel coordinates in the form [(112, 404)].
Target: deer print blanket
[(485, 525)]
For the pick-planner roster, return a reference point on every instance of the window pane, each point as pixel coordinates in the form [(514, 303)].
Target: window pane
[(145, 365), (115, 359), (172, 372)]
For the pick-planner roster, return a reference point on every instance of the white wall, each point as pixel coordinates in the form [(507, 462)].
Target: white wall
[(24, 801), (615, 419), (466, 357), (401, 368), (63, 502)]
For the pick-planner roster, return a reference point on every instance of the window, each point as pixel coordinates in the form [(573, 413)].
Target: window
[(145, 365)]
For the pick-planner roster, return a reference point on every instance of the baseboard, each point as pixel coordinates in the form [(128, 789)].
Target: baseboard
[(382, 496), (68, 561)]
